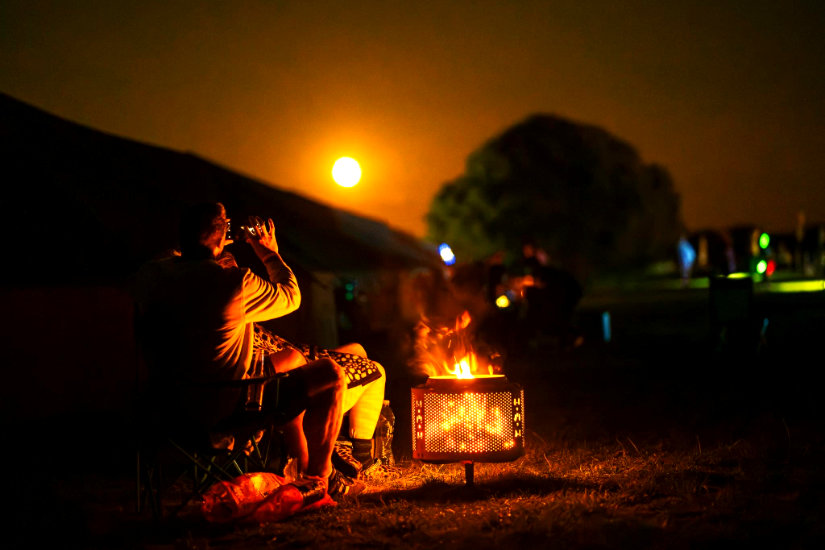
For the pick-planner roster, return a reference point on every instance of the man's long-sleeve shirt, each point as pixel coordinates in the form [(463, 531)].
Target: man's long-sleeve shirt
[(196, 316)]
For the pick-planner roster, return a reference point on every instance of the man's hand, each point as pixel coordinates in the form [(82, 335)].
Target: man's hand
[(266, 241)]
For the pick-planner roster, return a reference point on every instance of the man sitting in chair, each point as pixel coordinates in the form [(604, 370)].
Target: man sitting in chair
[(199, 329), (362, 401)]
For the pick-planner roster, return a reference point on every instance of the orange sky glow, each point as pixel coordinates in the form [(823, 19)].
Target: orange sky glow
[(726, 95)]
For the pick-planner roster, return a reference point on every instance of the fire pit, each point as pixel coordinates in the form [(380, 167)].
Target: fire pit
[(475, 419)]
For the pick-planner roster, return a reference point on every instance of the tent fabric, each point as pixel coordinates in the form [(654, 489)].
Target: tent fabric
[(84, 206)]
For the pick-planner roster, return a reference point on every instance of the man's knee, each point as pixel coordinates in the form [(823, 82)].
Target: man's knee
[(286, 360), (324, 374), (382, 380), (353, 348), (335, 371)]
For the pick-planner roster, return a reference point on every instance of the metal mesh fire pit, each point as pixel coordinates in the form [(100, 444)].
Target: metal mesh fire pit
[(468, 420)]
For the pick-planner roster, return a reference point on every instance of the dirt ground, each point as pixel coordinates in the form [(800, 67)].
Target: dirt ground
[(660, 438)]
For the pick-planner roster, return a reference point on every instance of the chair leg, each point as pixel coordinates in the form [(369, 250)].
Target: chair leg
[(201, 470), (271, 448), (147, 484), (261, 458), (204, 473), (139, 497)]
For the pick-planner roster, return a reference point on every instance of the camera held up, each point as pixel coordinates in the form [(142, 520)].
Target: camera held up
[(253, 229)]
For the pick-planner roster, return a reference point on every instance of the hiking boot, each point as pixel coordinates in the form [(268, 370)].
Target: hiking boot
[(343, 460), (312, 489), (380, 469), (342, 486)]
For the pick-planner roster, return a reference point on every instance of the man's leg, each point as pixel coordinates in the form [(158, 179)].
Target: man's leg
[(294, 438), (363, 403), (286, 360), (312, 396), (322, 418), (353, 348)]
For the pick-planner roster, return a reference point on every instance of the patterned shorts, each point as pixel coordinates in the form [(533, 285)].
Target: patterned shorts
[(359, 370)]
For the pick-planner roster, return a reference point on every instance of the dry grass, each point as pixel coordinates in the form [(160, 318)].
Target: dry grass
[(608, 496), (661, 492), (751, 480), (627, 447)]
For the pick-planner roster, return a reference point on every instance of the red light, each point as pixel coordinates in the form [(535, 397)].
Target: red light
[(771, 268)]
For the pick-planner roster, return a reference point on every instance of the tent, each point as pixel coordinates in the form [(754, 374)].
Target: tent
[(84, 209)]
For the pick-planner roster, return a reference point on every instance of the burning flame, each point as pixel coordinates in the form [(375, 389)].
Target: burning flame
[(446, 351), (463, 369)]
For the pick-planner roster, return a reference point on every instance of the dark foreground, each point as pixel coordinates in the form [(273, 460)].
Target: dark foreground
[(658, 439)]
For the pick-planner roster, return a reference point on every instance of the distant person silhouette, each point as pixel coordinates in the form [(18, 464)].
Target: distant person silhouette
[(551, 295), (687, 257)]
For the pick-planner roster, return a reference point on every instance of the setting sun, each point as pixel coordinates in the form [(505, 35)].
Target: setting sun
[(346, 172)]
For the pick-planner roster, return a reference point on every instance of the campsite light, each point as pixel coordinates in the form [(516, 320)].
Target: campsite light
[(503, 302), (816, 285), (446, 253), (606, 332)]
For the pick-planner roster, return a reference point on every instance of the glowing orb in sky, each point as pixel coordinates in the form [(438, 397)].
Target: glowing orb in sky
[(346, 172)]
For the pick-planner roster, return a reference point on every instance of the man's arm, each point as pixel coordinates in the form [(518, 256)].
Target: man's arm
[(280, 295)]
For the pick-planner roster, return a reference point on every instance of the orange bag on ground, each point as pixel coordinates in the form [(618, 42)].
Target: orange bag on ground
[(228, 500), (284, 502)]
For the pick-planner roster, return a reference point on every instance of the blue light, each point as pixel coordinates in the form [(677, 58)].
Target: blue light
[(446, 253), (606, 328)]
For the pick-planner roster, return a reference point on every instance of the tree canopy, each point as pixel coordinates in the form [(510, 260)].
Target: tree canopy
[(578, 192)]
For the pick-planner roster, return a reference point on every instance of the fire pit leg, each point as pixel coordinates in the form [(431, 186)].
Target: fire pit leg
[(468, 473)]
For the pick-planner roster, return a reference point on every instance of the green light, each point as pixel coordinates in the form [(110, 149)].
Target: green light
[(762, 266), (764, 241), (798, 286)]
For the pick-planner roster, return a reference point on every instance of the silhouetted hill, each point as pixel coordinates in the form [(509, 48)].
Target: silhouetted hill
[(84, 206)]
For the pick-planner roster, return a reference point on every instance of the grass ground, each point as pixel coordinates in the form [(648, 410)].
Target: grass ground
[(654, 440)]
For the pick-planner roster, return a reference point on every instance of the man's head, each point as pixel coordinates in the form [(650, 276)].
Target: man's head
[(203, 228)]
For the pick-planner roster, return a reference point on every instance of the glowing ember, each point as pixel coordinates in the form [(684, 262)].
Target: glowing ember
[(468, 423), (478, 419)]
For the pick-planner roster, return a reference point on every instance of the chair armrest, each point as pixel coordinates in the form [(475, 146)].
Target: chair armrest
[(243, 383)]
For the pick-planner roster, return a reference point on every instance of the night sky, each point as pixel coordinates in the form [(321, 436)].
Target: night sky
[(729, 96)]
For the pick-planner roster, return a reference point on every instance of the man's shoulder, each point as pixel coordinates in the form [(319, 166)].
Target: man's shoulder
[(175, 270), (157, 264), (158, 269), (247, 275)]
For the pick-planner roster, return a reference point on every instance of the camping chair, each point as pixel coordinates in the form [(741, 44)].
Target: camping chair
[(177, 446), (176, 449)]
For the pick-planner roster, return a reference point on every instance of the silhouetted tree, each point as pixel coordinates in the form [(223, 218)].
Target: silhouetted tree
[(581, 194)]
